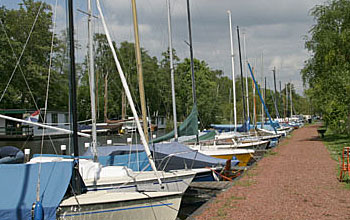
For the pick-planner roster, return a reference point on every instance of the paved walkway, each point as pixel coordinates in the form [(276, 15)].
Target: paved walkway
[(298, 180)]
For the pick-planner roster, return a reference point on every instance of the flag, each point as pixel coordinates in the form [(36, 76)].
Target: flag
[(34, 117)]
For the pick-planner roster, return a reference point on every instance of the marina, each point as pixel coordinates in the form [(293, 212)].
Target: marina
[(170, 110)]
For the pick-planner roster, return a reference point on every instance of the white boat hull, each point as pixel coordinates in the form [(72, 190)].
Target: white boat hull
[(122, 206)]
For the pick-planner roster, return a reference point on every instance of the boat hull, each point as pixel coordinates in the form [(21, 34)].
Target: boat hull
[(119, 206), (243, 158)]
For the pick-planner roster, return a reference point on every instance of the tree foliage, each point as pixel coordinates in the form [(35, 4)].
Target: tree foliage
[(327, 71), (213, 88), (28, 80)]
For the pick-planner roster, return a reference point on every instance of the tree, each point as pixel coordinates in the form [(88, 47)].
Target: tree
[(33, 67), (327, 71)]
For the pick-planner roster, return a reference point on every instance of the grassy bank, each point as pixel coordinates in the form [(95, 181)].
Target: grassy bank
[(335, 144)]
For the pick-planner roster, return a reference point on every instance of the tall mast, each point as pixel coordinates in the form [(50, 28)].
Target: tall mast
[(254, 100), (240, 64), (262, 80), (265, 94), (274, 82), (128, 95), (172, 71), (233, 71), (281, 100), (191, 55), (139, 71), (291, 100), (92, 83), (287, 100), (246, 75), (73, 97)]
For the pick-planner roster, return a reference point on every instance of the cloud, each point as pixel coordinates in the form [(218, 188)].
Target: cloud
[(272, 27)]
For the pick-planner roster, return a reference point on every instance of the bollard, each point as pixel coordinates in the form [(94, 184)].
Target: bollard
[(87, 145), (26, 155), (64, 149)]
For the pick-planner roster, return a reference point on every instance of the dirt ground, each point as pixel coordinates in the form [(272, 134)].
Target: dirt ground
[(298, 180)]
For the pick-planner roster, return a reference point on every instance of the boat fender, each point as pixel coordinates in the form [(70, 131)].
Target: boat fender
[(38, 213)]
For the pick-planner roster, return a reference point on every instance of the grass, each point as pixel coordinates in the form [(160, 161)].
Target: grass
[(270, 153), (335, 144), (222, 211)]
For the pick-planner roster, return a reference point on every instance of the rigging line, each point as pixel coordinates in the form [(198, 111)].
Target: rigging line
[(48, 78), (45, 111), (19, 66), (24, 47), (25, 80)]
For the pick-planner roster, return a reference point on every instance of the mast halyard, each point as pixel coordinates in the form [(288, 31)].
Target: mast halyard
[(233, 71), (92, 84), (140, 71), (172, 72), (191, 55)]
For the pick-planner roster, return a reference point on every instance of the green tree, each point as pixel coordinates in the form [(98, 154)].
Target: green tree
[(34, 64), (327, 71)]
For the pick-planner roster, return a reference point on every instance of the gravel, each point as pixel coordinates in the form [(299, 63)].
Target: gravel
[(298, 181)]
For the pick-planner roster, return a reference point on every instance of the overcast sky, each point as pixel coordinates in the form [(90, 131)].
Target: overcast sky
[(272, 27)]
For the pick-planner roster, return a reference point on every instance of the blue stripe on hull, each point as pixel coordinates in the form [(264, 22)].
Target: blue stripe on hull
[(117, 210)]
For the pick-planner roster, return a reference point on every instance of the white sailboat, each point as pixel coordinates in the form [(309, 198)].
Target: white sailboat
[(95, 204), (117, 205)]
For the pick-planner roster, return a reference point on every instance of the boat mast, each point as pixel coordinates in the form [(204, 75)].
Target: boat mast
[(73, 104), (242, 82), (172, 71), (128, 95), (276, 100), (265, 97), (139, 71), (246, 75), (191, 56), (233, 71), (92, 84), (254, 100), (281, 100), (262, 80), (291, 100)]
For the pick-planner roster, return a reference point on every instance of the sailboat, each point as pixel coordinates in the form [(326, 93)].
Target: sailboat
[(59, 192), (119, 178), (174, 156)]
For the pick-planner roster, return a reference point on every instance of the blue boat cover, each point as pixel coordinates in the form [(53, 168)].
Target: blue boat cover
[(18, 188), (134, 161), (175, 155)]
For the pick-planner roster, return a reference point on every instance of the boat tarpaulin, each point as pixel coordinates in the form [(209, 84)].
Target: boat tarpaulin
[(205, 137), (188, 127), (173, 155), (18, 187)]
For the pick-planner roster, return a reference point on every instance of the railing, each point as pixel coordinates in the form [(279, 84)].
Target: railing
[(21, 130)]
